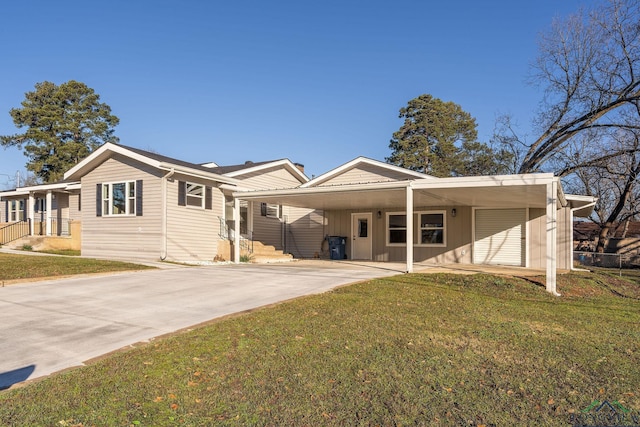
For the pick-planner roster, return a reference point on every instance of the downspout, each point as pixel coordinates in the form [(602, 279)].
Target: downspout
[(573, 268), (163, 236)]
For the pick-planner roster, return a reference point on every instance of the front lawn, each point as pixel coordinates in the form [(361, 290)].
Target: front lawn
[(406, 350), (16, 266)]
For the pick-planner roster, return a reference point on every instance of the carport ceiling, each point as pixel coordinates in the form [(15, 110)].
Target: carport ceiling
[(332, 199)]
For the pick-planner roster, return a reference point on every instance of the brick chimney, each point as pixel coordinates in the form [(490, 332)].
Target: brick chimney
[(300, 167)]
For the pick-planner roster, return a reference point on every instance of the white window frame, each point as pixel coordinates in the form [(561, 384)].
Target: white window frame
[(388, 230), (16, 210), (40, 205), (420, 228), (270, 207), (129, 199), (194, 197)]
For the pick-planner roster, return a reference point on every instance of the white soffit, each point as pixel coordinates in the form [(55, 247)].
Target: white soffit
[(582, 205)]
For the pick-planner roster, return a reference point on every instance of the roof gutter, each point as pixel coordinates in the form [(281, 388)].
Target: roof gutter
[(198, 174), (571, 211), (301, 191)]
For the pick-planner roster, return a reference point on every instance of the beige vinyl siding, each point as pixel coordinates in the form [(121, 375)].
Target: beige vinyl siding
[(365, 173), (564, 239), (274, 178), (60, 214), (458, 235), (217, 206), (537, 244), (538, 238), (73, 209), (74, 206), (304, 232), (270, 231), (130, 237), (266, 229), (192, 232)]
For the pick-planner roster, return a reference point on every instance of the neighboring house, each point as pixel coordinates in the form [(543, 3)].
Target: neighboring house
[(624, 238), (137, 204), (51, 207), (140, 205)]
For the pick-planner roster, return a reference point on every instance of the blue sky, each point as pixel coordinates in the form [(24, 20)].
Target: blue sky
[(319, 83)]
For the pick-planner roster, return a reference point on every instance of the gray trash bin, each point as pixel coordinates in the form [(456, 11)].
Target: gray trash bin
[(337, 245)]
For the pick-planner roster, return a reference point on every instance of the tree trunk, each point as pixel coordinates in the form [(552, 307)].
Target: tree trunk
[(626, 229), (603, 237)]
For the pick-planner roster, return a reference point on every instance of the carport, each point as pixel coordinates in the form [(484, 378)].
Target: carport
[(542, 191)]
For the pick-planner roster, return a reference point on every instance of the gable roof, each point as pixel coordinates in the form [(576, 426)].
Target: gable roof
[(236, 171), (223, 170), (56, 186), (365, 161), (155, 160)]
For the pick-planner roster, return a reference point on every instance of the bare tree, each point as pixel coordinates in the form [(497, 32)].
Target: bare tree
[(589, 120), (589, 65), (615, 183)]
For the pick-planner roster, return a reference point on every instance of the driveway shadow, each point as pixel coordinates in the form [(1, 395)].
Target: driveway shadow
[(7, 379)]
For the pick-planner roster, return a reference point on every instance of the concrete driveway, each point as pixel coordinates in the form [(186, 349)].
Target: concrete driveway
[(52, 325)]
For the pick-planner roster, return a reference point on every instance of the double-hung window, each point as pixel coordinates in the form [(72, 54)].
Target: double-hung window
[(16, 210), (431, 226), (195, 195), (396, 228), (119, 198), (270, 210)]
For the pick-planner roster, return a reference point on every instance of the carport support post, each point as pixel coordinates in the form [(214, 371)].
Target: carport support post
[(552, 246), (236, 230), (409, 219), (48, 213), (31, 213)]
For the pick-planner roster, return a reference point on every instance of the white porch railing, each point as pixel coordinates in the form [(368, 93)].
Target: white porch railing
[(227, 233)]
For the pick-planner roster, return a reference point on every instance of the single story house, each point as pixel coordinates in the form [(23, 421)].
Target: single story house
[(138, 204)]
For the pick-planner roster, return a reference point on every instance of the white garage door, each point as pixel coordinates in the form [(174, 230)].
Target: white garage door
[(500, 237)]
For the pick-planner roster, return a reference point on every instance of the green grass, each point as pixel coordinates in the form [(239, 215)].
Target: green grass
[(66, 252), (16, 266), (406, 350)]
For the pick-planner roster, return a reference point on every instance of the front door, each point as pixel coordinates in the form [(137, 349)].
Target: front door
[(361, 236)]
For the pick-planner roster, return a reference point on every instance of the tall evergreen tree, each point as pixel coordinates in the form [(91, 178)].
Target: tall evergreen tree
[(440, 138), (64, 124)]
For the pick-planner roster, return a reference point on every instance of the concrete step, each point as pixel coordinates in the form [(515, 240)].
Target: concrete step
[(265, 251), (264, 254), (33, 241), (260, 248)]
